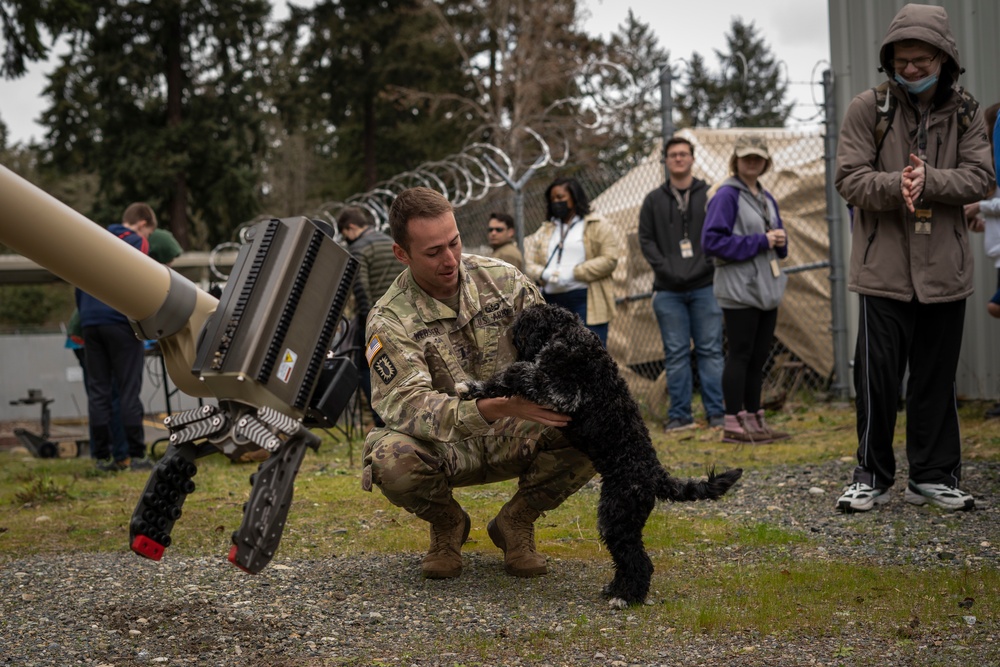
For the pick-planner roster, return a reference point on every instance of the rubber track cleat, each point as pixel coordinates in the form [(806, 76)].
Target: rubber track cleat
[(160, 504), (264, 515)]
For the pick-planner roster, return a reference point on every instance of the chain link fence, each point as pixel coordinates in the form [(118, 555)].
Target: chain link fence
[(801, 364)]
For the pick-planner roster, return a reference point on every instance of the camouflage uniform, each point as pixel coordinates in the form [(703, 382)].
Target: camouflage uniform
[(419, 349)]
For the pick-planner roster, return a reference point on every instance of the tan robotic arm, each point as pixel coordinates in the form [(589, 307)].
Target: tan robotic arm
[(166, 306), (261, 350)]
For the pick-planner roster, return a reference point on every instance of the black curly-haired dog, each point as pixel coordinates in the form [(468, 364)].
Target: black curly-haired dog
[(563, 365)]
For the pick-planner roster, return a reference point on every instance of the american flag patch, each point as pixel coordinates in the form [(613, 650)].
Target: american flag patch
[(374, 347)]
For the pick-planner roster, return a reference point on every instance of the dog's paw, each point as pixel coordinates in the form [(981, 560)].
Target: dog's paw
[(470, 389), (620, 597)]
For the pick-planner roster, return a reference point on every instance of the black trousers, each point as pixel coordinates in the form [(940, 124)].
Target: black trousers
[(114, 355), (749, 334), (927, 337)]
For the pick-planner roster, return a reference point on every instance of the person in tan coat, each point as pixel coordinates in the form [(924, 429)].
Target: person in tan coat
[(912, 152), (572, 256)]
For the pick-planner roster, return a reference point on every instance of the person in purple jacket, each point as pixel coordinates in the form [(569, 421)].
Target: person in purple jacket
[(744, 235)]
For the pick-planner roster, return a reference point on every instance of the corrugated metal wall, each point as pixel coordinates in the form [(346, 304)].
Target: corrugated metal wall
[(856, 32)]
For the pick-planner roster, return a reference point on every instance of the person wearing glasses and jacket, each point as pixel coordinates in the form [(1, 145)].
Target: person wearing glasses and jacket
[(912, 152)]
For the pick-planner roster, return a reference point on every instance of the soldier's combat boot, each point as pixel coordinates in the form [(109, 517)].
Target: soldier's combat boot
[(449, 531), (513, 530)]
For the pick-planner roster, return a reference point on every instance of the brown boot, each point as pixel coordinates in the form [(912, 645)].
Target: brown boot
[(766, 429), (513, 530), (736, 429), (759, 433), (449, 531)]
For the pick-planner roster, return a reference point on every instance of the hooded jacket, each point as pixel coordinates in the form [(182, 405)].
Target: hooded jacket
[(661, 230), (735, 234), (888, 258)]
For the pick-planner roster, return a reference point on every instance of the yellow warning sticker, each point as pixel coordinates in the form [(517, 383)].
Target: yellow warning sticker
[(287, 366)]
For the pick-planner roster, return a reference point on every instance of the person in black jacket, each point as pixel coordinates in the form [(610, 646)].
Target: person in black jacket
[(670, 223), (378, 268)]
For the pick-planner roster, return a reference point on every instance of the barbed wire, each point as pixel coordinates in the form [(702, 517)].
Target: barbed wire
[(467, 176), (471, 174)]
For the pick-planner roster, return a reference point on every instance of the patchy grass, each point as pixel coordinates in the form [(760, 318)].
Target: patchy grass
[(41, 490), (711, 588)]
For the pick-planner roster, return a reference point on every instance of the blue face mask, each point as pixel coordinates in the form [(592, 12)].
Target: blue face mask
[(917, 87)]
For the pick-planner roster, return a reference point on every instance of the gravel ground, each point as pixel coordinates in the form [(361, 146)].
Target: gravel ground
[(119, 610)]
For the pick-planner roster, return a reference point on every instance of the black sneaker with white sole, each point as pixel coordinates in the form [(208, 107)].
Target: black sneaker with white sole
[(859, 497), (677, 424), (943, 496)]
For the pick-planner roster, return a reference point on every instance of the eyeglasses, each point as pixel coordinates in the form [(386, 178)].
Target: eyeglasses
[(920, 63), (498, 230), (677, 156)]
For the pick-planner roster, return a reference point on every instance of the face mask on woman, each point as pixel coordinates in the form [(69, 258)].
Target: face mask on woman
[(559, 209)]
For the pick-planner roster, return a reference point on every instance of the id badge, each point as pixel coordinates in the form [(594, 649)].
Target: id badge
[(687, 252), (775, 269), (923, 223)]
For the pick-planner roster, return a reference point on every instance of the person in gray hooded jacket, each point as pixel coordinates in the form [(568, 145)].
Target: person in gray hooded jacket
[(912, 152), (743, 232)]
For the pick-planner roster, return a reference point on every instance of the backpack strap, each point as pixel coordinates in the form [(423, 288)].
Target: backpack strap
[(966, 111), (143, 243), (885, 111)]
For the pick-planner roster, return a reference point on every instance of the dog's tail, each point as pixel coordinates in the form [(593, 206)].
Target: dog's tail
[(669, 488)]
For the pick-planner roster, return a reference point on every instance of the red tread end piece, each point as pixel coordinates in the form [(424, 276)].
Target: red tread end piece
[(144, 546), (232, 558)]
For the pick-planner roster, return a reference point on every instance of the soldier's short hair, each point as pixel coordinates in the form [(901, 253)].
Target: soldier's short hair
[(413, 203), (137, 212)]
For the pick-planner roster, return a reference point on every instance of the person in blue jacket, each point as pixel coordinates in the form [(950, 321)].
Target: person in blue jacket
[(115, 357), (744, 235)]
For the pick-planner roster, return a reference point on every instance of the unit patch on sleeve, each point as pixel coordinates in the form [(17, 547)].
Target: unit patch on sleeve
[(374, 347), (384, 368)]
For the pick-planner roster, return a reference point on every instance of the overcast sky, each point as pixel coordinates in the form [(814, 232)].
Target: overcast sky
[(797, 31)]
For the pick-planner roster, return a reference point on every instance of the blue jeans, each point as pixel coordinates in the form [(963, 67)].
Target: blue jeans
[(685, 317)]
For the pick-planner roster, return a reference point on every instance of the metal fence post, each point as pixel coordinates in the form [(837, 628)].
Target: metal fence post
[(666, 108), (838, 286), (518, 188)]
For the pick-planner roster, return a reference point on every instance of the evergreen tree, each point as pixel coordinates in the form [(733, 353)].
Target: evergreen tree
[(753, 90), (748, 90), (163, 101), (353, 59), (22, 25), (632, 114), (700, 96)]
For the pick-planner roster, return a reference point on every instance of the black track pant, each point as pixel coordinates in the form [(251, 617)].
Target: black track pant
[(928, 337)]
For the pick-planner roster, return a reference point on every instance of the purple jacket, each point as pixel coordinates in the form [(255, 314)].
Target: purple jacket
[(734, 234), (717, 238)]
